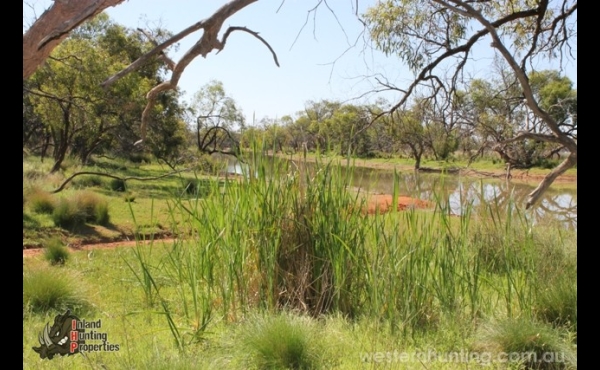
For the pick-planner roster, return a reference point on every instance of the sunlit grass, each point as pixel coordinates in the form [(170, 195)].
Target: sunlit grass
[(294, 239)]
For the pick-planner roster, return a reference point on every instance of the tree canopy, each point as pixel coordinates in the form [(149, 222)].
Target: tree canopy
[(437, 39)]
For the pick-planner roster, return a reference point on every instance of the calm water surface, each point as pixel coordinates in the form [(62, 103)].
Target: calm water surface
[(459, 192)]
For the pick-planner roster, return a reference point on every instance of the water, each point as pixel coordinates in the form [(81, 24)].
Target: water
[(459, 192)]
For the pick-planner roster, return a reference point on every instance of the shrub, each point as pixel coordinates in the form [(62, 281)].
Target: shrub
[(67, 215), (94, 208), (557, 304), (88, 181), (207, 164), (283, 342), (83, 207), (55, 252), (117, 185), (49, 289), (538, 345), (41, 201)]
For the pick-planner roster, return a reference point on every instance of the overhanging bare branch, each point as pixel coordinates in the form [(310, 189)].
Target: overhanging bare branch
[(253, 33)]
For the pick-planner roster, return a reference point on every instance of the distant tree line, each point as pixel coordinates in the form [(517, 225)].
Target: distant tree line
[(66, 112)]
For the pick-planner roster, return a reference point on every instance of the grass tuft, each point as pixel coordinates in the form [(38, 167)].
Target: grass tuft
[(283, 342), (41, 201), (85, 206), (557, 304), (88, 181), (67, 215), (532, 344), (47, 289), (55, 252)]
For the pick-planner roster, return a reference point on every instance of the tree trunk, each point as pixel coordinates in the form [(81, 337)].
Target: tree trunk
[(54, 25)]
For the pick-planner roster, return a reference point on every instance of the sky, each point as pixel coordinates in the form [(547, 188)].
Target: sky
[(321, 55)]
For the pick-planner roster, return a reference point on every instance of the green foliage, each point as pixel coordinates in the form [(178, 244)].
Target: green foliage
[(283, 342), (52, 289), (83, 207), (557, 303), (216, 117), (88, 181), (206, 164), (117, 185), (199, 188), (535, 345), (55, 252), (41, 201), (101, 120), (94, 208), (67, 215)]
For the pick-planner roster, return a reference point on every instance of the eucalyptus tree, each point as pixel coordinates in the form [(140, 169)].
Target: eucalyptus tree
[(439, 39), (80, 116), (217, 120)]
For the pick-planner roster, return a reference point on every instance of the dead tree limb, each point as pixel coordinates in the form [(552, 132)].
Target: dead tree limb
[(208, 42), (126, 178), (253, 33)]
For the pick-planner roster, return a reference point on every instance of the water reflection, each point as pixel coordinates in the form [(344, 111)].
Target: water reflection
[(457, 193)]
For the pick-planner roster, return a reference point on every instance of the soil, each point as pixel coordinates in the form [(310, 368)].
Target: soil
[(381, 203), (30, 252)]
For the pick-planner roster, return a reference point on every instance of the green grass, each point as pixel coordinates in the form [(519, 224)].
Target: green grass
[(41, 201), (54, 289), (283, 342), (557, 303), (276, 271), (88, 181), (533, 345), (55, 252), (67, 215)]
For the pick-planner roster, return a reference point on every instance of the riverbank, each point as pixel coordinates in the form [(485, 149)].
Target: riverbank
[(483, 169)]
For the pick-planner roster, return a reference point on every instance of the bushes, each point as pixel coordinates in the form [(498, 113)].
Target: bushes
[(117, 185), (537, 345), (49, 289), (56, 253), (83, 207), (41, 201), (88, 181), (283, 342), (198, 188)]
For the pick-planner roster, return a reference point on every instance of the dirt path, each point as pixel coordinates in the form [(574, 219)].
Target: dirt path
[(30, 252)]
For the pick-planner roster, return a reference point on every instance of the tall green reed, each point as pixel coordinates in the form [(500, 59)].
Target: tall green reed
[(293, 236)]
